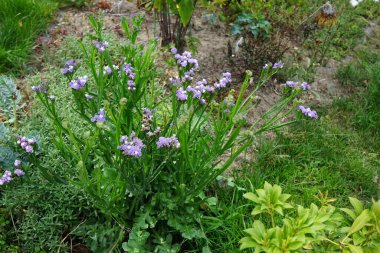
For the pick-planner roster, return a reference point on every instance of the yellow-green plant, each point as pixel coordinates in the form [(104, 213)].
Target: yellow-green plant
[(315, 229)]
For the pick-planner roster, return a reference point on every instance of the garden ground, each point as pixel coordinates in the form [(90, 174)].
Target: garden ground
[(338, 153)]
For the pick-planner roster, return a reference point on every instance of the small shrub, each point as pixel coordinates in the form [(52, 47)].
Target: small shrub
[(145, 152)]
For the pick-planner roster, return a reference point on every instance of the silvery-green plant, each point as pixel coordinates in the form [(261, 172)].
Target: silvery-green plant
[(147, 150), (10, 101)]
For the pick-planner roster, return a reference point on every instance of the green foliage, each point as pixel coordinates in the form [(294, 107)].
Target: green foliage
[(269, 200), (155, 196), (20, 22), (44, 213), (75, 3), (10, 100), (310, 228), (257, 27)]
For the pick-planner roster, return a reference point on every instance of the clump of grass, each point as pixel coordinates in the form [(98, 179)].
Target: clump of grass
[(20, 22)]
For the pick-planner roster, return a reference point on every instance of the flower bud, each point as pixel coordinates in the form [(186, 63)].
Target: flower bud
[(123, 101)]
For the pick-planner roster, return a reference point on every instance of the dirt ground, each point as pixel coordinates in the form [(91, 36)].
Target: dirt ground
[(212, 52)]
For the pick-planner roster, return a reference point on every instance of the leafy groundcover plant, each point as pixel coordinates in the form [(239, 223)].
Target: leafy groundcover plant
[(149, 150), (315, 229)]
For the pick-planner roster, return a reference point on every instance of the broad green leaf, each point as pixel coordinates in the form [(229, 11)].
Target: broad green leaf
[(247, 242), (358, 206), (251, 196), (349, 212), (355, 249), (185, 10), (360, 222), (236, 29), (295, 245)]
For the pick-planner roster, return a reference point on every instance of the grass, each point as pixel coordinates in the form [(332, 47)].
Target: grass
[(338, 153), (20, 23)]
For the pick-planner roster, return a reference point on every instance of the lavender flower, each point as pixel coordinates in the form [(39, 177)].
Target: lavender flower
[(181, 95), (40, 88), (19, 172), (305, 86), (26, 144), (308, 112), (131, 145), (173, 50), (278, 65), (88, 96), (210, 88), (107, 70), (129, 71), (17, 163), (99, 117), (131, 85), (164, 142), (175, 81), (69, 67), (101, 46), (224, 81), (79, 83), (6, 177), (290, 84), (186, 60)]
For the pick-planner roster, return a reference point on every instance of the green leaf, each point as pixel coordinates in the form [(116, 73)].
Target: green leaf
[(245, 18), (251, 196), (360, 222), (349, 212), (355, 249), (185, 10), (236, 29), (247, 243), (358, 206)]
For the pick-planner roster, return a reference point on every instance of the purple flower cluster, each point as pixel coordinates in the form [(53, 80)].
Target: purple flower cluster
[(26, 144), (186, 60), (79, 83), (19, 172), (164, 142), (101, 46), (40, 88), (99, 117), (181, 94), (292, 84), (308, 112), (277, 65), (69, 67), (17, 163), (224, 81), (176, 81), (6, 177), (107, 70), (305, 86), (131, 75), (131, 145)]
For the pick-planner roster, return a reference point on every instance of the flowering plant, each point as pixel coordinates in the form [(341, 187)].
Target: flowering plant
[(147, 150)]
